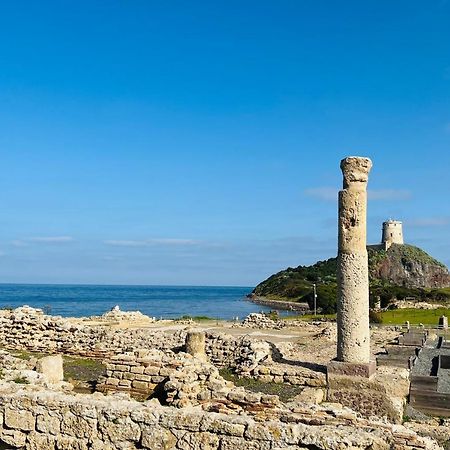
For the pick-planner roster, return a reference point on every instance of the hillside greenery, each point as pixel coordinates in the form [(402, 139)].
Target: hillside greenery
[(296, 284)]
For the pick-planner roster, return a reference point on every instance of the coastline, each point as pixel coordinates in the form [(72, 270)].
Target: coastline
[(279, 304)]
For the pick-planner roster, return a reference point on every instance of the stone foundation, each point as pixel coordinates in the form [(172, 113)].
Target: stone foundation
[(383, 395)]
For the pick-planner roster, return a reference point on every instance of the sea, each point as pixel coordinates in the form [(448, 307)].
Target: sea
[(165, 302)]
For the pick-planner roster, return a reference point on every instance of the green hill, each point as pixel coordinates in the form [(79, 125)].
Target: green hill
[(400, 272)]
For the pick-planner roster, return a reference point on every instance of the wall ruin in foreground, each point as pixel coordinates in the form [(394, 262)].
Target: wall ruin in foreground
[(53, 421)]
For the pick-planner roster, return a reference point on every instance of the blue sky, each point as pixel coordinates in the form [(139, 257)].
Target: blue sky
[(199, 142)]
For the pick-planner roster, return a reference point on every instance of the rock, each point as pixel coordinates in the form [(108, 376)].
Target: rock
[(310, 395)]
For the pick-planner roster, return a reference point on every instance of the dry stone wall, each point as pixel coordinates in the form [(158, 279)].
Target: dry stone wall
[(50, 421), (30, 329), (179, 380)]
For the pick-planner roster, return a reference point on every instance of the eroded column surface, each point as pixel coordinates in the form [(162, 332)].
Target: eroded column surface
[(196, 344), (353, 276)]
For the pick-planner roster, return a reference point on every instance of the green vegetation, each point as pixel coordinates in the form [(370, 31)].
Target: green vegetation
[(285, 391), (21, 380), (415, 316), (388, 282), (82, 369), (27, 355), (412, 253), (195, 318), (390, 317), (375, 316), (82, 372)]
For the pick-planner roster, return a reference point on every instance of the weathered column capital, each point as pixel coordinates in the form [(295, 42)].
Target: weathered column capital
[(355, 170)]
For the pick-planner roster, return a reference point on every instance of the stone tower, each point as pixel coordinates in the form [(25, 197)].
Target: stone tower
[(392, 233)]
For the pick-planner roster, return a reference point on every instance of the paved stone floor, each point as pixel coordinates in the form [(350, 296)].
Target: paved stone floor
[(427, 364)]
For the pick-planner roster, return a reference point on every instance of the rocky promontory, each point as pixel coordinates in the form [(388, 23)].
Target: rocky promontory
[(402, 271)]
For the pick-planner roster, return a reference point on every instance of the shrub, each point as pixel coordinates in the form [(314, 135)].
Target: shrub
[(375, 317)]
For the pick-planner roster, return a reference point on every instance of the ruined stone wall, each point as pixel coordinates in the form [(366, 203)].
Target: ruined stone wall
[(178, 380), (29, 328), (49, 421), (294, 375)]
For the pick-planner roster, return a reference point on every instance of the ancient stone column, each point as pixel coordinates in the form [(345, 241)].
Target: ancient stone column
[(195, 344), (51, 367), (353, 278)]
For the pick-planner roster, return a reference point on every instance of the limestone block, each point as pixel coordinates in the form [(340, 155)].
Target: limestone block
[(40, 441), (199, 441), (264, 432), (80, 427), (19, 419), (140, 385), (151, 370), (47, 424), (118, 428), (14, 438), (137, 369), (158, 438), (310, 395), (234, 443), (52, 368)]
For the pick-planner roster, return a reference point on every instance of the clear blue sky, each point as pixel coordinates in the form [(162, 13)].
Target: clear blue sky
[(199, 142)]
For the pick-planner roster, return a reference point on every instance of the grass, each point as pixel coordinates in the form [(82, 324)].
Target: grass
[(195, 318), (415, 316), (21, 380), (285, 391), (82, 369), (26, 355), (391, 317)]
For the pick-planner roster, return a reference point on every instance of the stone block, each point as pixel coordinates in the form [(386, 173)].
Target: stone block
[(112, 382), (14, 438), (51, 367), (158, 438), (137, 369), (351, 369), (151, 370), (142, 385), (310, 395), (48, 424), (19, 419)]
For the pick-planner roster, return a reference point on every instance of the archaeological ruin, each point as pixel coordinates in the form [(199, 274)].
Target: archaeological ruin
[(125, 381)]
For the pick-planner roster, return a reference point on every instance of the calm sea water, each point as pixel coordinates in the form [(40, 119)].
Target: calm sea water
[(157, 301)]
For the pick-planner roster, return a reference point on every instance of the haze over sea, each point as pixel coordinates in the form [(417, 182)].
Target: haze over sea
[(155, 301)]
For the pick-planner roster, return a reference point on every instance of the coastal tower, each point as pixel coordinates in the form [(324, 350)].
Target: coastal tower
[(392, 233)]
